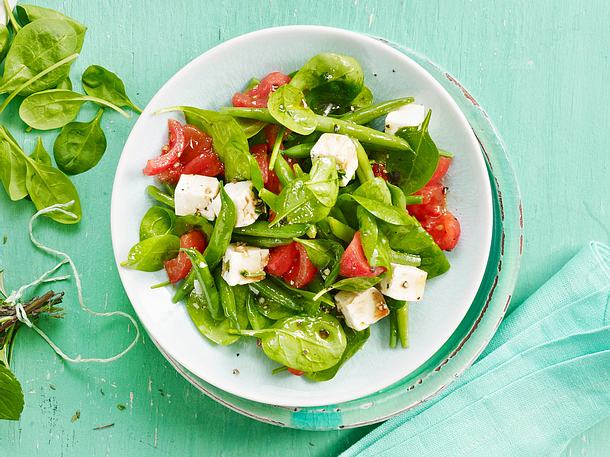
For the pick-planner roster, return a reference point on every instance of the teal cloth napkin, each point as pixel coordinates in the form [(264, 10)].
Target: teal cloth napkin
[(543, 379)]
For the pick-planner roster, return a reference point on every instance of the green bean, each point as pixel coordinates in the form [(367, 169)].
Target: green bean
[(402, 324), (398, 196), (227, 301), (160, 196), (372, 112), (262, 229), (269, 198), (340, 230), (268, 289), (283, 170), (300, 151), (259, 114), (405, 259), (393, 330), (203, 276), (223, 228), (307, 295), (261, 242), (256, 319), (414, 199), (364, 170), (185, 288)]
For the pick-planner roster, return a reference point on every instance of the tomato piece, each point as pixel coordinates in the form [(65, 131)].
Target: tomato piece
[(259, 95), (295, 372), (281, 259), (301, 272), (179, 267), (444, 229), (207, 164), (172, 174), (196, 142), (169, 158), (434, 201), (441, 169), (270, 179), (354, 263), (380, 171)]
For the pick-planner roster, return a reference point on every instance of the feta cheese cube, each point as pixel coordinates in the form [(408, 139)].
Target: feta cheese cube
[(361, 309), (343, 150), (411, 115), (243, 197), (194, 195), (404, 283), (243, 264)]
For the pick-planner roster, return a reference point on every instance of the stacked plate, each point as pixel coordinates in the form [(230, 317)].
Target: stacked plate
[(447, 330)]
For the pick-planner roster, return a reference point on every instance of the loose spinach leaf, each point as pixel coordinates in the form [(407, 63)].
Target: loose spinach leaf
[(255, 317), (5, 41), (303, 343), (324, 254), (251, 127), (187, 223), (323, 180), (413, 239), (54, 108), (355, 341), (398, 196), (149, 254), (358, 284), (36, 47), (382, 211), (272, 310), (262, 229), (102, 83), (340, 230), (11, 395), (158, 220), (160, 196), (228, 138), (40, 154), (31, 13), (375, 189), (65, 84), (374, 242), (362, 100), (215, 331), (13, 167), (80, 146), (287, 105), (330, 82)]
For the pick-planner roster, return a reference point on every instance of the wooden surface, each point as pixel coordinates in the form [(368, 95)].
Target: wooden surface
[(539, 68)]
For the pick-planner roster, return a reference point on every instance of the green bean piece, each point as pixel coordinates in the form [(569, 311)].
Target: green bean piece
[(364, 170), (223, 228), (268, 289), (340, 230), (299, 151), (256, 319), (283, 170), (372, 112), (441, 152), (185, 288), (393, 330), (227, 300), (261, 242), (259, 114), (402, 324), (160, 196), (405, 259), (414, 199), (206, 286), (262, 229), (398, 196)]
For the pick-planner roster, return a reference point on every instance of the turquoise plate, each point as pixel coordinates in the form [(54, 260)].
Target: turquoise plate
[(474, 332)]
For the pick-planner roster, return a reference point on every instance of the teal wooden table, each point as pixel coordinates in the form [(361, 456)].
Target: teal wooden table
[(539, 68)]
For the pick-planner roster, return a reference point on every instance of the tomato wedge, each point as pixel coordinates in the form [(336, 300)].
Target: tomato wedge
[(258, 96), (281, 258), (441, 169), (444, 229), (179, 267), (207, 164), (354, 263), (196, 142), (302, 271), (270, 179), (295, 372), (172, 156), (380, 171)]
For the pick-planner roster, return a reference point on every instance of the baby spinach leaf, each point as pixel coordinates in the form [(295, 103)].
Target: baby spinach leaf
[(160, 196), (228, 138), (398, 196), (362, 100), (80, 145), (31, 13), (287, 105), (255, 317), (11, 395), (375, 189), (204, 284), (303, 343), (102, 83), (323, 181), (413, 239), (324, 254), (342, 231), (187, 223), (149, 254), (215, 331), (13, 167), (40, 154), (355, 341), (330, 82), (374, 242), (158, 220), (383, 211), (262, 229), (38, 46), (5, 41), (272, 310), (250, 126), (65, 84), (54, 108), (358, 284)]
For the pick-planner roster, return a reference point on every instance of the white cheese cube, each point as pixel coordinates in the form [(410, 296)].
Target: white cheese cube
[(411, 115), (243, 264), (361, 309), (243, 197), (405, 283), (194, 195), (343, 150)]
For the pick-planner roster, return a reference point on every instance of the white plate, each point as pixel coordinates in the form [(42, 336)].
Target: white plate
[(209, 81)]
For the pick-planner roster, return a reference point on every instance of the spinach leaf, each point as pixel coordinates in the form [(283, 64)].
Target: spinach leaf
[(227, 300), (355, 341), (413, 239), (149, 254), (374, 242), (13, 167), (382, 211), (287, 105), (54, 108), (160, 196), (38, 46), (262, 229), (303, 343), (102, 83), (357, 284), (11, 395), (80, 146), (375, 189), (187, 223), (340, 230), (40, 154), (65, 84), (250, 127), (398, 196), (228, 138), (31, 13), (204, 284), (158, 220), (362, 100), (330, 82), (415, 169), (215, 331), (256, 319), (272, 310), (5, 41), (324, 254), (323, 181)]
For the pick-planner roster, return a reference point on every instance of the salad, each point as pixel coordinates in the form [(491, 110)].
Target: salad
[(300, 216)]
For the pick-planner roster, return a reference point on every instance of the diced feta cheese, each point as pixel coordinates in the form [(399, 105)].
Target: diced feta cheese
[(243, 197), (194, 195), (343, 150), (361, 309), (243, 264), (411, 115), (405, 283)]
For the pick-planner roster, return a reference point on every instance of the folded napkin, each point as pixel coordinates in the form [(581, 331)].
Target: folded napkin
[(543, 379)]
